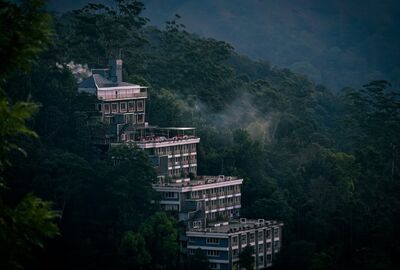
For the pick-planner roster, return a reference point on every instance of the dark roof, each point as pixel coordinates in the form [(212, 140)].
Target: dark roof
[(100, 81), (87, 83)]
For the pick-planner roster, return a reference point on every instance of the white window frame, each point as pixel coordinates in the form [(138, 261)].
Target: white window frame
[(133, 107), (120, 107), (116, 106), (132, 116), (213, 253), (140, 122), (212, 241), (107, 105), (140, 108)]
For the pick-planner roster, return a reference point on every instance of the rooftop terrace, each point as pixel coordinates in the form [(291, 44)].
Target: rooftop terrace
[(159, 139), (238, 225), (200, 180)]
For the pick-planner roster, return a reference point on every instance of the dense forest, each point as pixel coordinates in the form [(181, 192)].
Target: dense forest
[(327, 164), (335, 42)]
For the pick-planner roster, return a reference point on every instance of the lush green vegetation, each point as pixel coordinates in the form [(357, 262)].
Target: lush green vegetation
[(325, 164), (336, 43)]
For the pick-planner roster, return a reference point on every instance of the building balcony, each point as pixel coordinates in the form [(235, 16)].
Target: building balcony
[(180, 163), (162, 141), (224, 205), (111, 95), (217, 195)]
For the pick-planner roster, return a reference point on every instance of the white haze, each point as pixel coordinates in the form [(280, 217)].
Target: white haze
[(241, 113), (79, 71)]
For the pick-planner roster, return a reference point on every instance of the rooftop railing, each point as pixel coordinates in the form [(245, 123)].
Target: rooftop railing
[(111, 95), (156, 139)]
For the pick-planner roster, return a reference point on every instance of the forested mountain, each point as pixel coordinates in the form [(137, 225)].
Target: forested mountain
[(326, 164), (337, 43)]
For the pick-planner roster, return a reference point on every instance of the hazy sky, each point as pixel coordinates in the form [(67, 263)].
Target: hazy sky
[(335, 42)]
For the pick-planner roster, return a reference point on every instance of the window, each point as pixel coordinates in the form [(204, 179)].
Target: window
[(214, 266), (191, 251), (130, 118), (106, 108), (268, 234), (261, 260), (197, 224), (251, 237), (234, 240), (192, 240), (122, 107), (109, 120), (213, 253), (276, 232), (269, 258), (131, 106), (260, 236), (98, 107), (260, 248), (123, 137), (114, 107), (243, 239), (171, 195), (139, 105), (276, 245), (140, 119), (213, 241), (171, 207)]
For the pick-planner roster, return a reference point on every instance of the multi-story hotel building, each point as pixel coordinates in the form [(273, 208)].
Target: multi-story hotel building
[(222, 244), (122, 107), (202, 201), (209, 206)]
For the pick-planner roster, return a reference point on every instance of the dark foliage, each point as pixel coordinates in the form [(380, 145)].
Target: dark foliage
[(327, 165)]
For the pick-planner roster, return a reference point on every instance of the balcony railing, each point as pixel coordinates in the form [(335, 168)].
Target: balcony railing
[(223, 205), (110, 96), (218, 194), (179, 163)]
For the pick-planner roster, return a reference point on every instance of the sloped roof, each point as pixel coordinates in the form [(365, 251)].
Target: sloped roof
[(98, 81), (87, 83)]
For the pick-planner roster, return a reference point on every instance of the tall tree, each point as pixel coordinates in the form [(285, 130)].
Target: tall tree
[(246, 259), (25, 223)]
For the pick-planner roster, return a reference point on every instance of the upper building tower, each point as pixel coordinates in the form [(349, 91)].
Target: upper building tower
[(122, 105), (123, 109)]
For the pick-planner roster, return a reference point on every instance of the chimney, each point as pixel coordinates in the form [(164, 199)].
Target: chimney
[(115, 70)]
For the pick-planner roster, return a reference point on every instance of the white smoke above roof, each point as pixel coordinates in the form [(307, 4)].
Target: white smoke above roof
[(79, 71)]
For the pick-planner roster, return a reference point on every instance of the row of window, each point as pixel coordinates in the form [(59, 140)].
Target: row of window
[(121, 107), (170, 195), (171, 207), (169, 150), (197, 224), (129, 118), (213, 191), (213, 253), (223, 214), (235, 252), (212, 240), (182, 160), (183, 171), (224, 202), (243, 237)]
